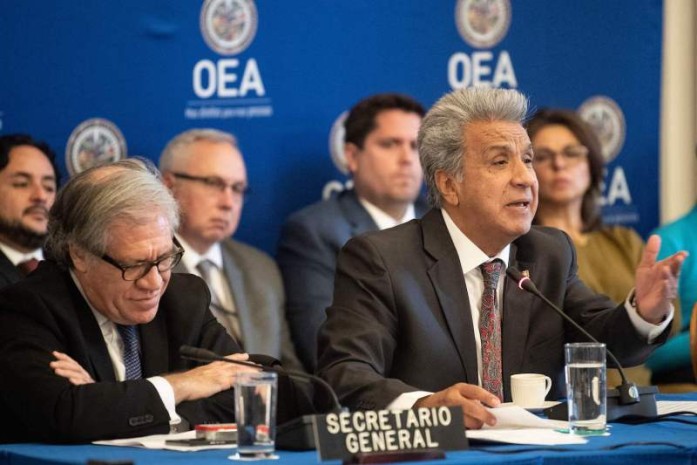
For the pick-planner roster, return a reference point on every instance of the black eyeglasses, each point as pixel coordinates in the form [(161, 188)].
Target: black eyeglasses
[(140, 269), (213, 182), (572, 154)]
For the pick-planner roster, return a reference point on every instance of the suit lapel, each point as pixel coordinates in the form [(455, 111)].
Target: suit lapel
[(449, 285), (358, 217), (154, 345), (100, 362), (517, 305), (8, 272)]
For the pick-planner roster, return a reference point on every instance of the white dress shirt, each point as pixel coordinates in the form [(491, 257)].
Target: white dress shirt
[(17, 257), (382, 219), (218, 284)]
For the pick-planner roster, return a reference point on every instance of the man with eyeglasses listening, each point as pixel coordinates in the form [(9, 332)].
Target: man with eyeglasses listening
[(206, 173), (89, 342)]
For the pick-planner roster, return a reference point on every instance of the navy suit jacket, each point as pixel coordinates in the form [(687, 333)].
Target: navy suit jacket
[(400, 320), (46, 312), (309, 244)]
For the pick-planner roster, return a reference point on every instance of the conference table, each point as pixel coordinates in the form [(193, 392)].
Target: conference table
[(662, 442)]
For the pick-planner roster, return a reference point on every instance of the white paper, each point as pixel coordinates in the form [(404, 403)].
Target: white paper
[(532, 436), (157, 441), (513, 417), (670, 406), (515, 425)]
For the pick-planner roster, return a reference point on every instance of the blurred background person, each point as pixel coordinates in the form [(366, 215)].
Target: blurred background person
[(28, 182), (569, 167), (672, 363), (380, 150), (206, 173)]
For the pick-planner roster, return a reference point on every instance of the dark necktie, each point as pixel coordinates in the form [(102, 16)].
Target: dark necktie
[(27, 266), (228, 317), (131, 351), (490, 330)]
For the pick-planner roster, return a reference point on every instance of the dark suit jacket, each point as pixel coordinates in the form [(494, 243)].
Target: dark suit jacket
[(257, 289), (401, 321), (8, 272), (46, 312), (309, 244)]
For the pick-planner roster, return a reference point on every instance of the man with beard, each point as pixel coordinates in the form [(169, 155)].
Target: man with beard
[(28, 183)]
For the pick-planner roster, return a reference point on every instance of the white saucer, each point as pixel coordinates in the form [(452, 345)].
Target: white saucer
[(547, 404)]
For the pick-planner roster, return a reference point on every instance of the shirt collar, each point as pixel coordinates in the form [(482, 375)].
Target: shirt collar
[(469, 254), (104, 323), (382, 219), (192, 258), (17, 257)]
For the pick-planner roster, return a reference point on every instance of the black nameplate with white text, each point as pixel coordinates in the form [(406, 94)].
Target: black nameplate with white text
[(343, 435)]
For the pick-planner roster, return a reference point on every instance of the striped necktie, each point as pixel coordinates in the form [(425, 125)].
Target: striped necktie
[(226, 316), (131, 351)]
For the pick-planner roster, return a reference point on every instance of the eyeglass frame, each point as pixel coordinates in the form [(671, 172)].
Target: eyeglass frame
[(237, 188), (177, 255), (564, 153)]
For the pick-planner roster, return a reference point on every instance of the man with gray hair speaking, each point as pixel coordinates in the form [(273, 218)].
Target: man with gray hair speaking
[(421, 316), (89, 342)]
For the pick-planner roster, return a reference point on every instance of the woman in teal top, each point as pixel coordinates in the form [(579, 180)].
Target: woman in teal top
[(671, 363)]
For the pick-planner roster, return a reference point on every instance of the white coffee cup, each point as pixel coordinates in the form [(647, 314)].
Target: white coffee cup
[(529, 390)]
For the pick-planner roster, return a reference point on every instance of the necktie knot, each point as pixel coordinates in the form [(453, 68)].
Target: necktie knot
[(27, 266), (131, 351), (491, 271), (205, 267)]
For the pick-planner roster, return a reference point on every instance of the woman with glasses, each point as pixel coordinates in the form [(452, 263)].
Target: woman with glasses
[(569, 167)]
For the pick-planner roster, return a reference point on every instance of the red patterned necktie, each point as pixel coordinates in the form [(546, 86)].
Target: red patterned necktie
[(28, 266), (490, 330)]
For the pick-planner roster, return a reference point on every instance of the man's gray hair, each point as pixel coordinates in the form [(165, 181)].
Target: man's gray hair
[(175, 148), (441, 138), (129, 190)]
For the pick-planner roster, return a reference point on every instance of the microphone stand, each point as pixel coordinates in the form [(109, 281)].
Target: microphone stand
[(627, 400), (296, 434)]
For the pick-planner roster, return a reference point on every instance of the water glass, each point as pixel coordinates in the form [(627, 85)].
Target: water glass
[(586, 387), (255, 412)]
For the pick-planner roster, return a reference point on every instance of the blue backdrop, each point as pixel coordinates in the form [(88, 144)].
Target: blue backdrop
[(279, 73)]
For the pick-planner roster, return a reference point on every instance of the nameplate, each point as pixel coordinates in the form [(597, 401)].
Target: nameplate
[(344, 435)]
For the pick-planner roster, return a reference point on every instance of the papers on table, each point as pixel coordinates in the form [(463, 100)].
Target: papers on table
[(671, 406), (515, 425), (157, 441)]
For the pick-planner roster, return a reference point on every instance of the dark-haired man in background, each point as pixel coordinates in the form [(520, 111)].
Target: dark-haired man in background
[(28, 182), (380, 149)]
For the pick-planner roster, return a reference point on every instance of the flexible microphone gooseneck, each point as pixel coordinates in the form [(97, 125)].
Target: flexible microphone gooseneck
[(296, 434), (259, 361), (623, 402), (628, 390)]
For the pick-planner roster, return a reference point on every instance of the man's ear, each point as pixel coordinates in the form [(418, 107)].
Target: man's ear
[(79, 257), (351, 152), (168, 179), (447, 186)]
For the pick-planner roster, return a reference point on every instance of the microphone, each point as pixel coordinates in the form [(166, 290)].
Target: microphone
[(297, 434), (622, 401)]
